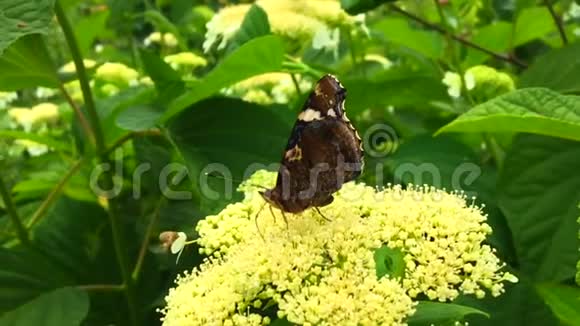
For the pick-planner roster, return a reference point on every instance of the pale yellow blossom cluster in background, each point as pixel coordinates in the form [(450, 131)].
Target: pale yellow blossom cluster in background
[(294, 19), (117, 74), (167, 39), (268, 88), (27, 118), (7, 98), (69, 67), (319, 272), (187, 60), (482, 82)]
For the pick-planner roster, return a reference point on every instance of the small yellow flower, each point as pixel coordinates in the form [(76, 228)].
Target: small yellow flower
[(323, 272), (23, 117), (70, 68), (186, 60), (453, 82), (384, 62), (117, 74), (43, 92), (168, 39), (487, 82), (28, 118), (74, 90), (33, 148), (294, 19), (7, 98), (269, 87), (45, 112)]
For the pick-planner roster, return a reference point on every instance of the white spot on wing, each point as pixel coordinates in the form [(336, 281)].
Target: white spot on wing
[(331, 113), (309, 115)]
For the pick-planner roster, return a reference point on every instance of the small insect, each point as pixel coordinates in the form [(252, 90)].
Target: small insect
[(323, 152)]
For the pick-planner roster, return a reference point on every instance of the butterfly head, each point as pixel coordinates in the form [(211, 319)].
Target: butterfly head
[(328, 97), (272, 197)]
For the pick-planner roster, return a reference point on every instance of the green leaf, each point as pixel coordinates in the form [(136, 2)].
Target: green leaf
[(167, 81), (24, 275), (71, 242), (138, 118), (437, 313), (564, 301), (354, 7), (495, 37), (532, 23), (164, 25), (50, 142), (258, 56), (532, 110), (19, 18), (396, 88), (62, 307), (89, 28), (255, 24), (25, 64), (389, 262), (558, 69), (398, 31), (520, 305), (538, 193), (212, 132)]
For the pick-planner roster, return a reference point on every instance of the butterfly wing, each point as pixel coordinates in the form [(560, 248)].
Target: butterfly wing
[(323, 152)]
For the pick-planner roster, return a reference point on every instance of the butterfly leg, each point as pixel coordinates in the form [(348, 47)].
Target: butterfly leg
[(319, 212), (285, 219), (256, 222), (272, 212)]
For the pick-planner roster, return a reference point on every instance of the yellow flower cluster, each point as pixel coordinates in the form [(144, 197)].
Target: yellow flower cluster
[(117, 74), (7, 98), (167, 39), (274, 87), (186, 60), (488, 82), (69, 68), (28, 118), (482, 82), (33, 148), (295, 19), (315, 271)]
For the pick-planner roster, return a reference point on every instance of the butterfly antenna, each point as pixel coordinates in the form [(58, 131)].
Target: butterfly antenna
[(319, 212), (213, 175)]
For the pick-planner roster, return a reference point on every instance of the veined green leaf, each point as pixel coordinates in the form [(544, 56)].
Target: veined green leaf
[(532, 110), (258, 56), (23, 17)]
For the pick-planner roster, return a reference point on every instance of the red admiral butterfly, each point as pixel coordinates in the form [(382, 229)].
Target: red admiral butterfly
[(323, 152)]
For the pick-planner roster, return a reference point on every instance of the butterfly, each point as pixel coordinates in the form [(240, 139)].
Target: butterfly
[(323, 152)]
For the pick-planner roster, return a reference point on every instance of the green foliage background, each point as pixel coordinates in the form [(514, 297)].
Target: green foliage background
[(70, 258)]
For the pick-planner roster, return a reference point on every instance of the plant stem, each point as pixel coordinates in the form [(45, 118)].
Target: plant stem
[(146, 239), (119, 244), (101, 287), (84, 123), (557, 21), (11, 210), (296, 84), (119, 142), (116, 227), (459, 39), (453, 55), (82, 75), (53, 194)]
